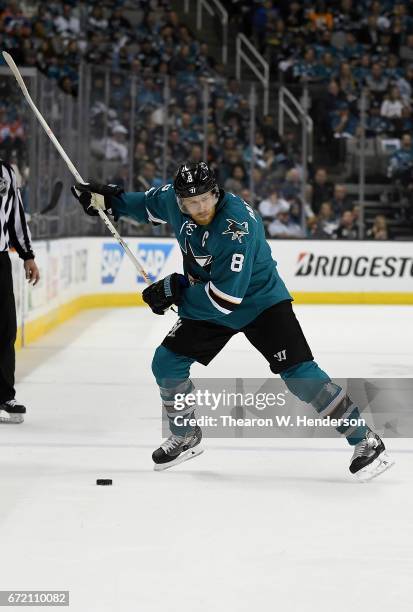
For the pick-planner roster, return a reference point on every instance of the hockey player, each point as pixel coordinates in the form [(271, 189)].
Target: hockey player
[(230, 285)]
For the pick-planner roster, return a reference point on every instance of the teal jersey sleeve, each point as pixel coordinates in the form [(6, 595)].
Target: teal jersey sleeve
[(233, 247), (151, 206)]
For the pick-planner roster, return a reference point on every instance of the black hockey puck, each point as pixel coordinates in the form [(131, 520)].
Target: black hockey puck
[(104, 481)]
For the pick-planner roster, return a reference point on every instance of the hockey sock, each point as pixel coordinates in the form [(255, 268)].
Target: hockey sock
[(172, 375), (311, 384), (178, 411)]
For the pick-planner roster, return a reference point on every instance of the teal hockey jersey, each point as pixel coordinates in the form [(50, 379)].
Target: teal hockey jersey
[(228, 262)]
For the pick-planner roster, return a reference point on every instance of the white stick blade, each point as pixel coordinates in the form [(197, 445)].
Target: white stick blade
[(12, 65)]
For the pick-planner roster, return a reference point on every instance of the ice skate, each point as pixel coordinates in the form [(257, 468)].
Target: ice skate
[(12, 412), (177, 449), (370, 458)]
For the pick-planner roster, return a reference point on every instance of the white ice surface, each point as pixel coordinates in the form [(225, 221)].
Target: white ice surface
[(250, 525)]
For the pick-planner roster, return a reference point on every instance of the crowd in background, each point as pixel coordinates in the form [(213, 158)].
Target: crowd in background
[(339, 46)]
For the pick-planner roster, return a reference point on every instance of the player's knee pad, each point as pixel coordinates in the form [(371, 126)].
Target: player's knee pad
[(169, 366)]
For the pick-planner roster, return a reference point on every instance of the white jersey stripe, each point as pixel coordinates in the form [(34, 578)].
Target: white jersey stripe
[(225, 296), (153, 219), (217, 306)]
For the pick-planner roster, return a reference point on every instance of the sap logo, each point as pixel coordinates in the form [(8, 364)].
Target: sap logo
[(111, 261), (153, 256)]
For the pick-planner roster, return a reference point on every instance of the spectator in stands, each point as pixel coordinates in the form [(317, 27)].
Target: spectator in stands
[(401, 162), (296, 207), (406, 49), (352, 48), (393, 69), (141, 155), (347, 82), (346, 16), (237, 181), (308, 69), (379, 229), (196, 154), (291, 187), (118, 22), (247, 196), (324, 109), (320, 16), (283, 226), (294, 15), (121, 177), (347, 229), (116, 148), (322, 189), (67, 23), (362, 69), (147, 178), (340, 200), (370, 34), (180, 63), (271, 206), (376, 124), (405, 84), (326, 223), (327, 67), (344, 124), (392, 105), (258, 151), (377, 82), (260, 187), (259, 23), (177, 149), (187, 131), (405, 123), (97, 21)]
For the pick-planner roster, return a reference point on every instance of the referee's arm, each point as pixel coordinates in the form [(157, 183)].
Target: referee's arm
[(16, 227), (19, 233)]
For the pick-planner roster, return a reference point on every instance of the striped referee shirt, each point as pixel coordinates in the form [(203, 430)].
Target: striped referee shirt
[(14, 231)]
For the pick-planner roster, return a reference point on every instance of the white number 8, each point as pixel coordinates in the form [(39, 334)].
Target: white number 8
[(237, 261)]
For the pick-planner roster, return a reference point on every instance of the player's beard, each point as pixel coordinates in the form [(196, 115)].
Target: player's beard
[(204, 219)]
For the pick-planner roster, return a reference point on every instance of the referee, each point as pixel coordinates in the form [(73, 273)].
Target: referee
[(13, 232)]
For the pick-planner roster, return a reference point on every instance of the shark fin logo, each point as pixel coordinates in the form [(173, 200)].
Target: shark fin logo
[(153, 256), (236, 229)]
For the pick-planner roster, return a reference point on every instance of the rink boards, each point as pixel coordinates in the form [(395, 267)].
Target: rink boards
[(79, 273)]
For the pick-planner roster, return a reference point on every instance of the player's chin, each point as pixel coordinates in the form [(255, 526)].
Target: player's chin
[(204, 219)]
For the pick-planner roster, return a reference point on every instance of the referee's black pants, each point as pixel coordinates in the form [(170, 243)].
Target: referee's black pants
[(8, 330)]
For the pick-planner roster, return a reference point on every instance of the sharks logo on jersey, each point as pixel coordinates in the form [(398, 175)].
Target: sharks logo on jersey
[(190, 258), (237, 229)]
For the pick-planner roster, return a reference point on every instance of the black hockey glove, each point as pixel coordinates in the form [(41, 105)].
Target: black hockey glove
[(83, 193), (161, 295)]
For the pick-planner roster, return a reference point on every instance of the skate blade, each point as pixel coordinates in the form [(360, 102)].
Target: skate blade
[(10, 419), (376, 467), (191, 453)]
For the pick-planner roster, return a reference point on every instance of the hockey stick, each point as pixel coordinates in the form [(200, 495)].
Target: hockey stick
[(54, 200), (70, 165)]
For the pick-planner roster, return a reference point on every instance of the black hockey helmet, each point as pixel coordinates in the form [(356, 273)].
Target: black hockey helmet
[(194, 179)]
